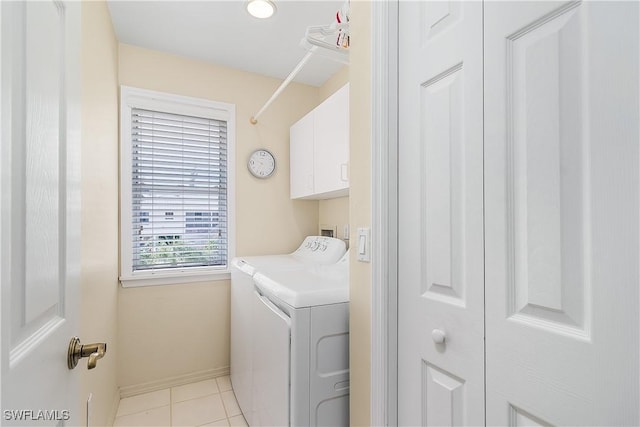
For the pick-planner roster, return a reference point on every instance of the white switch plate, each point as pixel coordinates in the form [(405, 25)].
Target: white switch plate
[(363, 244)]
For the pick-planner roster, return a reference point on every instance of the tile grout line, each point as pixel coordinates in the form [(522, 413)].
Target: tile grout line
[(143, 410), (219, 392), (224, 406)]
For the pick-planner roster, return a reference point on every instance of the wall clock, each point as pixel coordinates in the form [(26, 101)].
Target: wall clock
[(261, 163)]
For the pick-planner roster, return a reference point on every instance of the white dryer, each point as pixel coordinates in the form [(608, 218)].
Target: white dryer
[(314, 251), (301, 348)]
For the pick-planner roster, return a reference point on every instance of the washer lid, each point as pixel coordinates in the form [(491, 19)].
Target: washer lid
[(306, 288), (252, 264)]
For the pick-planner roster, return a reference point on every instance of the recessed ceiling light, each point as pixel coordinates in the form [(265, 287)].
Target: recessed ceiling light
[(261, 8)]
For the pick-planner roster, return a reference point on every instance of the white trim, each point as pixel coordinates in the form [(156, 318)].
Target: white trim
[(191, 377), (115, 403), (174, 278), (177, 104), (384, 171), (4, 148), (141, 98)]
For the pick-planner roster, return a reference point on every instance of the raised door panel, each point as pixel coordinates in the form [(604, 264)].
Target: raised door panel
[(331, 143), (301, 157), (442, 176), (443, 397), (37, 205), (548, 173), (561, 213)]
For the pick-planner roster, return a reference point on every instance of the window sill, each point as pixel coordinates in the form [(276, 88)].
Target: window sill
[(161, 279)]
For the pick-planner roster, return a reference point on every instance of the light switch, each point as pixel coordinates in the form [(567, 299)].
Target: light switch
[(364, 244), (362, 248)]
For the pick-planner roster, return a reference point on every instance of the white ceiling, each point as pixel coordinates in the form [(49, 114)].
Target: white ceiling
[(223, 32)]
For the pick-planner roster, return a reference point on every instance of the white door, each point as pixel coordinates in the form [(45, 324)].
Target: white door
[(39, 209), (561, 193), (440, 215)]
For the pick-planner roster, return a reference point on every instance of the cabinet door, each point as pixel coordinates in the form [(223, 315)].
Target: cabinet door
[(301, 153), (331, 143)]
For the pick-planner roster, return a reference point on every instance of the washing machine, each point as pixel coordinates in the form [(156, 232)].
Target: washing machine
[(315, 251), (301, 347)]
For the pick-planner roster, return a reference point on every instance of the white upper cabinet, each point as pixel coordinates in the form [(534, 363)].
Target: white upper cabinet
[(320, 150)]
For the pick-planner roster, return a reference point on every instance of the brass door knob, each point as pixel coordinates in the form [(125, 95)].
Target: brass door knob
[(77, 351)]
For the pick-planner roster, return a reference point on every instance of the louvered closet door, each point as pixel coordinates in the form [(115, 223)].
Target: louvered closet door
[(561, 193), (440, 216)]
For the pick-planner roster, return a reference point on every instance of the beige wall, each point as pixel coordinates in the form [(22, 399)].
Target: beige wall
[(185, 328), (99, 270), (335, 82), (335, 212), (360, 210), (172, 331)]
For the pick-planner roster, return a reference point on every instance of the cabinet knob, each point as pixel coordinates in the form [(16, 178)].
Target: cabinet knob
[(438, 336)]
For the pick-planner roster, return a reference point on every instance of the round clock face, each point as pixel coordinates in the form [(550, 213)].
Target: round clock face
[(261, 163)]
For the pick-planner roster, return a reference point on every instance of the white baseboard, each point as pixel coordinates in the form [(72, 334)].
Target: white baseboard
[(132, 390), (115, 402)]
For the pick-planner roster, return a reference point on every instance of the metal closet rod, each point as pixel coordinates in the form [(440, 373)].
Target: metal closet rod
[(254, 119)]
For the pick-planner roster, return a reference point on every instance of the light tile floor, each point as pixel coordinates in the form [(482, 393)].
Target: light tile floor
[(205, 403)]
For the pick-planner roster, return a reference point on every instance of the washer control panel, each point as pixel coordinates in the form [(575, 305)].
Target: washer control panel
[(321, 249)]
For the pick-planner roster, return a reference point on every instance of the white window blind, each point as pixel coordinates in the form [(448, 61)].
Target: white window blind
[(179, 191)]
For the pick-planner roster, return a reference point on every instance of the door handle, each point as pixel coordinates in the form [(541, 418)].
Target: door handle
[(271, 306), (77, 351)]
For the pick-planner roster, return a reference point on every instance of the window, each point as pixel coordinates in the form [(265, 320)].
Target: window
[(176, 188)]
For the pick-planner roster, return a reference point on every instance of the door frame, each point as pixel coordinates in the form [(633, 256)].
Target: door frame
[(384, 213)]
